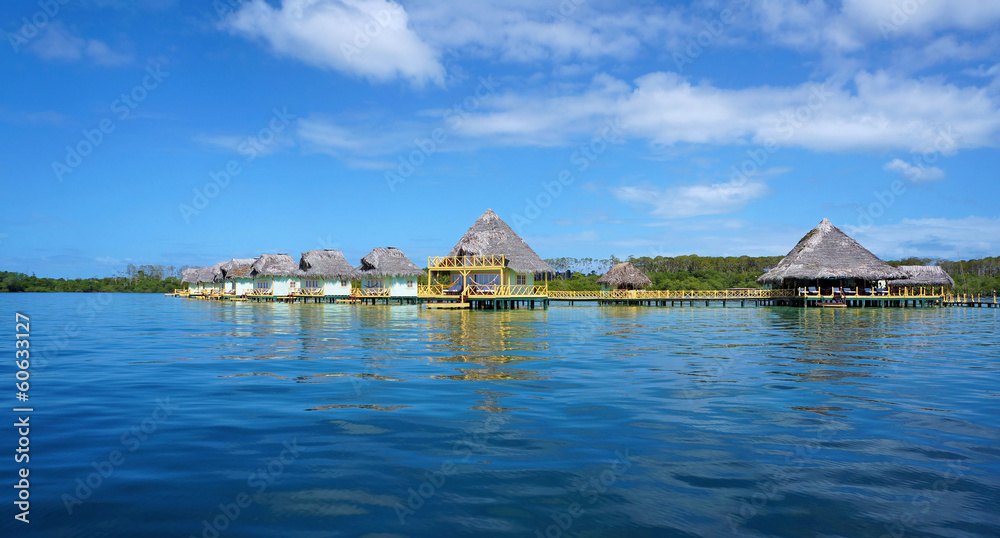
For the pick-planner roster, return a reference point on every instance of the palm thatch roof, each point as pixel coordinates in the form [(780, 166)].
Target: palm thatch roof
[(208, 274), (828, 253), (190, 275), (325, 264), (924, 275), (234, 268), (490, 235), (274, 265), (386, 262), (625, 275)]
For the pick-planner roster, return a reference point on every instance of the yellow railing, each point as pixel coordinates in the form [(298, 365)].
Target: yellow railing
[(308, 292), (891, 292), (370, 292), (445, 262), (491, 290), (671, 294), (260, 291), (424, 290)]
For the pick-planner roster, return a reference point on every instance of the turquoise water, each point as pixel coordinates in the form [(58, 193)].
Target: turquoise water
[(170, 417)]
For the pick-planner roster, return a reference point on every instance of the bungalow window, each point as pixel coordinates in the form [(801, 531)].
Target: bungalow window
[(521, 280), (262, 284), (373, 283), (409, 283), (485, 279), (292, 284), (344, 282), (312, 283)]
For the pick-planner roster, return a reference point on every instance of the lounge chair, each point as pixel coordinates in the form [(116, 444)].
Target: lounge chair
[(802, 291), (812, 291), (850, 291), (836, 291), (868, 291), (881, 291)]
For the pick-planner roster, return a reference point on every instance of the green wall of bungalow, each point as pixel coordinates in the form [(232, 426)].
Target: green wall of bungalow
[(328, 286), (399, 286), (280, 286)]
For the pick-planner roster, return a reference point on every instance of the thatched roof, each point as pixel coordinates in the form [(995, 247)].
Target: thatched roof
[(490, 235), (625, 275), (924, 275), (207, 274), (325, 264), (828, 253), (274, 265), (383, 262), (190, 275), (234, 268)]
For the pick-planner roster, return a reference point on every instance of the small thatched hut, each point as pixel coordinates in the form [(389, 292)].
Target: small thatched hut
[(234, 276), (275, 275), (624, 276), (204, 279), (825, 258), (388, 269), (325, 272), (471, 260), (923, 275)]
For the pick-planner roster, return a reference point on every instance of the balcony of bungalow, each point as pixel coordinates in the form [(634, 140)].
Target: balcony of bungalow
[(478, 277)]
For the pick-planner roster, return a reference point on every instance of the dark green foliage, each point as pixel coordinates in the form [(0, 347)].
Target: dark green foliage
[(142, 279)]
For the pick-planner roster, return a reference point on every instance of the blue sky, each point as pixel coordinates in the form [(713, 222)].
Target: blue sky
[(184, 132)]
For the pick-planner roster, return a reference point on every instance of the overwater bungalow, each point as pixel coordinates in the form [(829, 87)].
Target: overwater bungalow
[(274, 275), (489, 263), (234, 277), (624, 276), (923, 278), (189, 278), (204, 278), (325, 273), (826, 263), (387, 272)]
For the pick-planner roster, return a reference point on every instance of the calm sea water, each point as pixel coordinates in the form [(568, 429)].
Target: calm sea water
[(169, 417)]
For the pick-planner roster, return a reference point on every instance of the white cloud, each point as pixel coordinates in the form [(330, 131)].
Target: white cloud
[(246, 145), (972, 237), (872, 111), (59, 44), (916, 173), (694, 200), (368, 38)]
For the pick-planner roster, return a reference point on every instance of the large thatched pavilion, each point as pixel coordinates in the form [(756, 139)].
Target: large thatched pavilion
[(624, 276), (490, 260), (826, 261), (387, 272), (325, 273), (274, 275)]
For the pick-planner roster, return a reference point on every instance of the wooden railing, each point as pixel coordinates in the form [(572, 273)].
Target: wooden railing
[(308, 292), (488, 290), (671, 294), (260, 291), (929, 291), (444, 262), (370, 292)]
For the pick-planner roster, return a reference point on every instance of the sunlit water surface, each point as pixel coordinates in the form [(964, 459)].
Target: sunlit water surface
[(170, 417)]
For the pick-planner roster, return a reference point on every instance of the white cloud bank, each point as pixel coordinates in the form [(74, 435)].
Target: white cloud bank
[(915, 172), (59, 44), (693, 200)]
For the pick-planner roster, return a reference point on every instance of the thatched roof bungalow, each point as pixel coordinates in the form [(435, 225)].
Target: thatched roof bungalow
[(388, 272), (275, 275), (325, 272), (474, 263), (189, 276), (234, 276), (827, 257), (923, 275), (624, 276)]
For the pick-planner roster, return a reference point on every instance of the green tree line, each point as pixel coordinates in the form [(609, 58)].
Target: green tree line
[(132, 279)]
